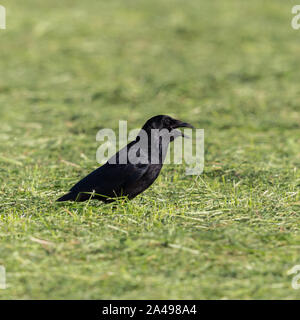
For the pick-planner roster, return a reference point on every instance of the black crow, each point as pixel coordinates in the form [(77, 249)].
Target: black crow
[(134, 168)]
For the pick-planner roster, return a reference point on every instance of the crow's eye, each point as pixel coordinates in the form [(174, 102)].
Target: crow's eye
[(167, 123)]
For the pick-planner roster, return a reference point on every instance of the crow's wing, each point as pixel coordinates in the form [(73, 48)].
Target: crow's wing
[(109, 179)]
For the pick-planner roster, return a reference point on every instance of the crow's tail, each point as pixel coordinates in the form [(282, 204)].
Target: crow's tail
[(68, 197)]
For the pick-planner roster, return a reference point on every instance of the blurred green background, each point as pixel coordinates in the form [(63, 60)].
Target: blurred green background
[(69, 68)]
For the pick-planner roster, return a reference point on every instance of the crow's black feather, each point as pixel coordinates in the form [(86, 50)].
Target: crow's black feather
[(114, 179)]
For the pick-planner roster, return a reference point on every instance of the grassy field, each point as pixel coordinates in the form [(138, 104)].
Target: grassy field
[(69, 68)]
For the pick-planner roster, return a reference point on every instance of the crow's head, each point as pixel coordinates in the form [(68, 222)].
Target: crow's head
[(166, 122)]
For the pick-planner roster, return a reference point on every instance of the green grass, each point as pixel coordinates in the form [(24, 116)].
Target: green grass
[(69, 68)]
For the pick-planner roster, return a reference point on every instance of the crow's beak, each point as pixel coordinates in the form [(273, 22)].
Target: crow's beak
[(180, 124)]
